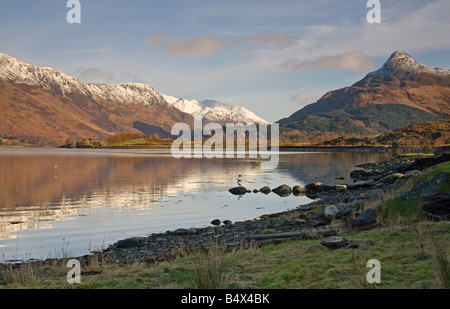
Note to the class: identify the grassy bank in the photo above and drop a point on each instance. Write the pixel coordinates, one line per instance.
(411, 256)
(413, 253)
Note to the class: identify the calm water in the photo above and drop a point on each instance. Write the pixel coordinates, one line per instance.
(60, 201)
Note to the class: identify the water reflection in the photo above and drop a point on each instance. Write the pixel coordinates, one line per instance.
(95, 197)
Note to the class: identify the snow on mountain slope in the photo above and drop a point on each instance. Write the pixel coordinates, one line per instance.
(401, 62)
(214, 111)
(19, 72)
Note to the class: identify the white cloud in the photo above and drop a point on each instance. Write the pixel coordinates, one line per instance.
(303, 98)
(197, 46)
(97, 75)
(354, 61)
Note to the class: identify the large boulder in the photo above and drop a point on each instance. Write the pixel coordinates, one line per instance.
(298, 190)
(427, 188)
(266, 190)
(376, 194)
(389, 179)
(312, 187)
(412, 173)
(334, 242)
(435, 185)
(128, 243)
(361, 184)
(238, 191)
(319, 187)
(283, 190)
(362, 174)
(341, 187)
(424, 163)
(366, 219)
(331, 211)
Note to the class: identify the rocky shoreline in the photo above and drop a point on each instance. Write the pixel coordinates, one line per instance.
(337, 209)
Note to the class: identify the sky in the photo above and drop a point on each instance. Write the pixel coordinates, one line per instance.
(272, 57)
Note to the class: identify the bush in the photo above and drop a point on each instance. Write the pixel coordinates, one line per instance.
(123, 137)
(428, 149)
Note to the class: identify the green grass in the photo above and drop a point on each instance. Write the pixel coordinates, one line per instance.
(142, 143)
(407, 255)
(433, 170)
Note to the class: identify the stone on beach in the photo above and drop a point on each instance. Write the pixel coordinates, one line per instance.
(266, 190)
(334, 242)
(283, 190)
(297, 190)
(238, 191)
(331, 211)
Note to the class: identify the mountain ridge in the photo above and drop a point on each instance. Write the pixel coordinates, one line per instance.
(419, 92)
(42, 103)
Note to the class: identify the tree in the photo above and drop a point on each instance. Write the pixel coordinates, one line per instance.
(428, 149)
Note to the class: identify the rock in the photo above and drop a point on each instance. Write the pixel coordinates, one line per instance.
(255, 191)
(227, 222)
(181, 232)
(331, 211)
(341, 187)
(424, 163)
(129, 243)
(427, 188)
(374, 194)
(362, 174)
(434, 186)
(297, 190)
(304, 207)
(312, 187)
(192, 230)
(266, 190)
(215, 222)
(318, 187)
(412, 173)
(238, 191)
(367, 217)
(334, 242)
(361, 184)
(325, 188)
(279, 222)
(391, 178)
(283, 190)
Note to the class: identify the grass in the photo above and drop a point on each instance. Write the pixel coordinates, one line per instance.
(143, 143)
(408, 259)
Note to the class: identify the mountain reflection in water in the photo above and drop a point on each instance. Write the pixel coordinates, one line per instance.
(88, 199)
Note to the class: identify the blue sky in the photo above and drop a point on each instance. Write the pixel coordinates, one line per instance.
(272, 57)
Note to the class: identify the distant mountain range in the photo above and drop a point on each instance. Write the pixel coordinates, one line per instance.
(45, 104)
(214, 111)
(402, 92)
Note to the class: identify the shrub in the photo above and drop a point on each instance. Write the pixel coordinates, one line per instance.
(428, 149)
(123, 137)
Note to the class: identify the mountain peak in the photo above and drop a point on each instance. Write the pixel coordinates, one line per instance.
(402, 64)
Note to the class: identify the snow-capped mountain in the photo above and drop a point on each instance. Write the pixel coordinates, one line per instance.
(214, 111)
(19, 72)
(402, 63)
(41, 103)
(50, 79)
(402, 92)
